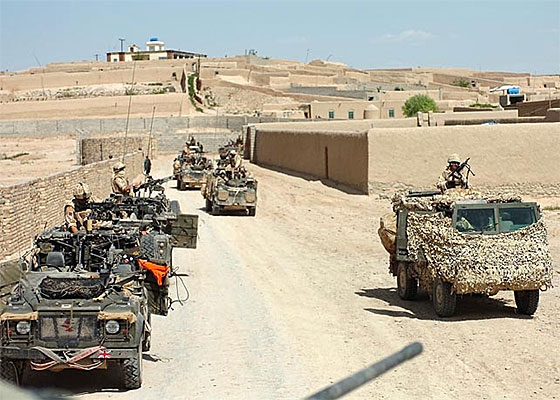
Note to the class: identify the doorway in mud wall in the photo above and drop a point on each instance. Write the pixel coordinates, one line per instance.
(326, 162)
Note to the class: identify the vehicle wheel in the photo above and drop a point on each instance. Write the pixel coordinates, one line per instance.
(175, 207)
(10, 372)
(132, 371)
(208, 207)
(252, 211)
(443, 298)
(147, 247)
(526, 301)
(147, 342)
(407, 287)
(215, 209)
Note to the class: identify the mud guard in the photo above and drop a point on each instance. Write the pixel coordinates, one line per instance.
(184, 231)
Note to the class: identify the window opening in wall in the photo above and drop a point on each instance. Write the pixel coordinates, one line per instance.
(391, 113)
(331, 114)
(350, 114)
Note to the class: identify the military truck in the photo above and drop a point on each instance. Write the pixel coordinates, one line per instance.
(85, 300)
(464, 242)
(230, 191)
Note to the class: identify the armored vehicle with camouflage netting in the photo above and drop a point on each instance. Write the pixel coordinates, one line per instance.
(84, 301)
(230, 190)
(465, 242)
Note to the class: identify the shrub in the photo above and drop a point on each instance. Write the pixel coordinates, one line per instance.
(419, 102)
(461, 82)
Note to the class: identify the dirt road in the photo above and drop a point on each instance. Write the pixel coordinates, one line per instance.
(299, 296)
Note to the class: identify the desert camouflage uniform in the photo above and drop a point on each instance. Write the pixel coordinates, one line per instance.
(450, 180)
(120, 184)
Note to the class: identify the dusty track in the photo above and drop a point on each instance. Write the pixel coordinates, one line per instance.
(298, 297)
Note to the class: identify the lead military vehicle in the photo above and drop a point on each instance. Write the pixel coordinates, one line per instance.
(464, 242)
(84, 300)
(230, 190)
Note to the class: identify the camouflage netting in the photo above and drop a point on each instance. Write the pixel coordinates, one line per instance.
(517, 260)
(71, 288)
(444, 201)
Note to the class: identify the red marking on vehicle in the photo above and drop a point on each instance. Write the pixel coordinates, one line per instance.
(104, 353)
(67, 325)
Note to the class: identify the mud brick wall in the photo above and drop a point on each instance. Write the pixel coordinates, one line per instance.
(94, 149)
(521, 157)
(341, 157)
(27, 209)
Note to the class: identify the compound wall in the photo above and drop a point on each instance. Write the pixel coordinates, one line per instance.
(338, 156)
(513, 156)
(28, 208)
(94, 149)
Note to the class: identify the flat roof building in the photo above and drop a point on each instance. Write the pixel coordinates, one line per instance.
(155, 50)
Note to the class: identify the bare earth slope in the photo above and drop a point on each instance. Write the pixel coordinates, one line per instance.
(299, 297)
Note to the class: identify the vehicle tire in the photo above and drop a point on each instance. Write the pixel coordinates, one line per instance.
(526, 301)
(208, 207)
(252, 211)
(215, 209)
(147, 342)
(443, 298)
(10, 372)
(132, 371)
(175, 207)
(407, 287)
(147, 247)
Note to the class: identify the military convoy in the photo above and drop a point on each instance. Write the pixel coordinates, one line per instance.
(191, 168)
(464, 242)
(85, 300)
(230, 191)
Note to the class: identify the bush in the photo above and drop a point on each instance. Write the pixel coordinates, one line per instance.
(192, 94)
(420, 102)
(483, 105)
(461, 82)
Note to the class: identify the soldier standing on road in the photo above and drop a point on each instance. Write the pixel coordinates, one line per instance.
(147, 166)
(450, 178)
(119, 183)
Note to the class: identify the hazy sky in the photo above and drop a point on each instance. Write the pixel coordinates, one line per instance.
(506, 35)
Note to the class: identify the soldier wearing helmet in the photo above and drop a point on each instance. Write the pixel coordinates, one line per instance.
(451, 178)
(119, 183)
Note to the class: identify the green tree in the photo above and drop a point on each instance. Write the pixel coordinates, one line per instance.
(419, 102)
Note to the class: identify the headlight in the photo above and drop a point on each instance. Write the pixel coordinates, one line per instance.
(112, 327)
(223, 195)
(250, 197)
(23, 327)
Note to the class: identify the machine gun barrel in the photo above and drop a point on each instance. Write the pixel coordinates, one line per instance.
(151, 183)
(358, 379)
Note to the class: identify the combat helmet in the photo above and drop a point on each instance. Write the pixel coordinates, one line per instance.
(81, 191)
(118, 167)
(454, 158)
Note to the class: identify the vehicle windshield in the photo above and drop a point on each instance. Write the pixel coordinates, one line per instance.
(512, 219)
(476, 220)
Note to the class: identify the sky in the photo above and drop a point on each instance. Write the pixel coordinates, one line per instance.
(501, 35)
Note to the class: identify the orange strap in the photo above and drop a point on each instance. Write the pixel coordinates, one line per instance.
(159, 271)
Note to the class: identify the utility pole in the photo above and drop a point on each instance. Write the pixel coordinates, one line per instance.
(122, 42)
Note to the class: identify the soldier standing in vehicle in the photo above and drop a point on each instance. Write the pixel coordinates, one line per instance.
(69, 218)
(451, 178)
(119, 183)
